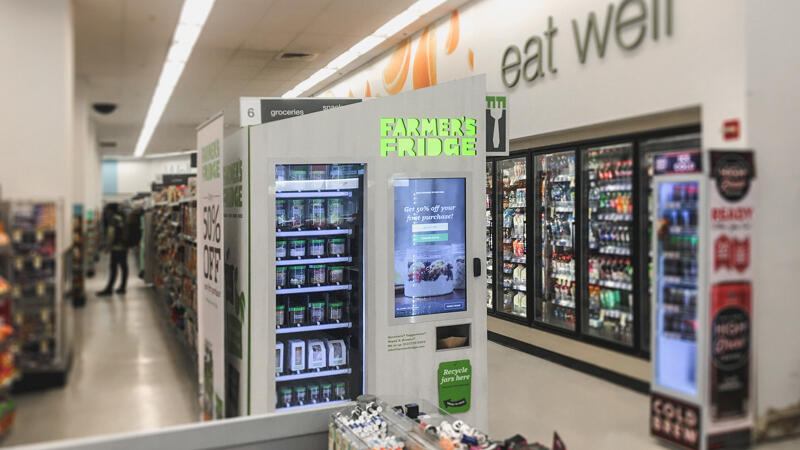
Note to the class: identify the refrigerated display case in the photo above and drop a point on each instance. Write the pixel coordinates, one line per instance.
(607, 300)
(512, 208)
(555, 239)
(676, 155)
(319, 283)
(676, 273)
(490, 236)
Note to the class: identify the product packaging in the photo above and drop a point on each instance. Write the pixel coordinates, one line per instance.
(297, 276)
(335, 310)
(317, 247)
(340, 390)
(281, 218)
(285, 396)
(316, 354)
(280, 315)
(316, 310)
(336, 274)
(297, 248)
(326, 391)
(297, 355)
(313, 393)
(317, 273)
(280, 249)
(297, 209)
(316, 213)
(297, 312)
(280, 277)
(300, 395)
(337, 353)
(279, 358)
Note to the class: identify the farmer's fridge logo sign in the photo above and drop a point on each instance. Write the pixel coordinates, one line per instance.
(428, 136)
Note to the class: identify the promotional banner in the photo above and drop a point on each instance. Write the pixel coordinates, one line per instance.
(257, 110)
(732, 212)
(429, 246)
(210, 275)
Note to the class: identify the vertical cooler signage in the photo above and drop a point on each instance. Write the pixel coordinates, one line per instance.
(210, 280)
(429, 246)
(731, 206)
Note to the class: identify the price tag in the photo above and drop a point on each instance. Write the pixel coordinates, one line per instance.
(37, 262)
(40, 288)
(17, 235)
(39, 235)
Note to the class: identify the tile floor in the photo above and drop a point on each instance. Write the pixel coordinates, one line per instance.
(129, 374)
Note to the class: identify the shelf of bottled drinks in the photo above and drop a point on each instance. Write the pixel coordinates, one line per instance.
(568, 237)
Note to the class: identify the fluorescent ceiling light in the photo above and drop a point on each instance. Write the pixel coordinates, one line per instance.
(194, 14)
(387, 30)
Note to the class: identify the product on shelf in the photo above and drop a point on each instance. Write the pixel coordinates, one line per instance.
(512, 207)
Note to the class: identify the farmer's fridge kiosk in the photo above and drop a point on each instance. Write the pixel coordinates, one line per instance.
(702, 394)
(366, 253)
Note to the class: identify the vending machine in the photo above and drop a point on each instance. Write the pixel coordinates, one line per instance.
(363, 268)
(702, 391)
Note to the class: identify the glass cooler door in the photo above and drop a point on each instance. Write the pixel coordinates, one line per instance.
(319, 313)
(676, 283)
(555, 239)
(490, 236)
(512, 209)
(608, 297)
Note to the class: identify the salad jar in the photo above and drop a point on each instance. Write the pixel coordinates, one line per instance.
(430, 270)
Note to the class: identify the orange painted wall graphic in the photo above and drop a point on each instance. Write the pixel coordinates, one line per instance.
(396, 72)
(367, 91)
(471, 57)
(425, 60)
(452, 35)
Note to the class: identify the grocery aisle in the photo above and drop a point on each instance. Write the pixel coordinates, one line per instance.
(128, 373)
(534, 397)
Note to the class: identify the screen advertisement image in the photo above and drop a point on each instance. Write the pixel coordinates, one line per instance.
(429, 246)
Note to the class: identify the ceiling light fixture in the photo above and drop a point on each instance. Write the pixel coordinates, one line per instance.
(194, 14)
(387, 30)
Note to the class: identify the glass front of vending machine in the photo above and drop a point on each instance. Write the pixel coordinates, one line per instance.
(319, 231)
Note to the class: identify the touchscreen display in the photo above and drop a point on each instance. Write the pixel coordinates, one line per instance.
(429, 246)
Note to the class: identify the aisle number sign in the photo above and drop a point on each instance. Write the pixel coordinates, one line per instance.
(211, 279)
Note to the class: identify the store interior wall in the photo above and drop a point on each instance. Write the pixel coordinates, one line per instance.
(773, 107)
(36, 88)
(87, 184)
(136, 175)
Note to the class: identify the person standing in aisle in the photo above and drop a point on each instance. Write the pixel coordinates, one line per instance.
(115, 240)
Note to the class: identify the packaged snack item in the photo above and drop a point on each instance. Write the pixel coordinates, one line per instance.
(280, 249)
(335, 311)
(318, 172)
(280, 172)
(285, 396)
(279, 358)
(316, 354)
(336, 246)
(316, 212)
(316, 311)
(280, 315)
(280, 276)
(313, 393)
(316, 247)
(297, 313)
(297, 248)
(335, 212)
(336, 274)
(297, 275)
(337, 353)
(300, 395)
(297, 213)
(317, 273)
(298, 172)
(281, 218)
(297, 355)
(340, 390)
(326, 391)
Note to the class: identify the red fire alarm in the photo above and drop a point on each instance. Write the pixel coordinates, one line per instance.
(730, 129)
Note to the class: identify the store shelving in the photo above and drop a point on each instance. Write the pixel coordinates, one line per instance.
(307, 375)
(319, 327)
